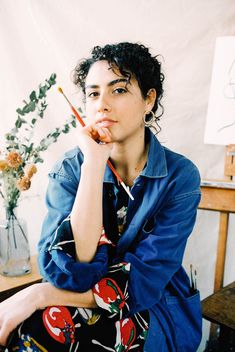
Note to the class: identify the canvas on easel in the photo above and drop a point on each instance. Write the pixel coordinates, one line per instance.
(220, 120)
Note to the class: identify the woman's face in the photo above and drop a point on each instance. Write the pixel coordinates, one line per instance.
(114, 102)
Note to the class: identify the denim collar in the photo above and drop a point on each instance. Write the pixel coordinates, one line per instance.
(156, 165)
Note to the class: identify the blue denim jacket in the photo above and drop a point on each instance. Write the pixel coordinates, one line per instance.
(159, 221)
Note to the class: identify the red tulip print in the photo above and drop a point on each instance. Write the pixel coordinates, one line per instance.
(59, 324)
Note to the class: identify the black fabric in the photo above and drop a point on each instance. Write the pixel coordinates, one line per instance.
(95, 330)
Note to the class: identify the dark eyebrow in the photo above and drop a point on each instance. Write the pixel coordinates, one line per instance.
(112, 83)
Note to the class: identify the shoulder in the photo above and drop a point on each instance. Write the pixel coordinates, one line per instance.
(182, 172)
(68, 165)
(177, 162)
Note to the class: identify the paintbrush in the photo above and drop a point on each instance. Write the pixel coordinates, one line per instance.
(195, 279)
(108, 162)
(191, 275)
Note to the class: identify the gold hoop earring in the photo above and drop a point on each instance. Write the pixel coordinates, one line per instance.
(149, 118)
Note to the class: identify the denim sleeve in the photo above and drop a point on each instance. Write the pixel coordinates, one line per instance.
(57, 265)
(60, 196)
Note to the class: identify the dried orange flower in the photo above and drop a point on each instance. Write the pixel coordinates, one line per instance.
(30, 170)
(23, 183)
(3, 165)
(14, 159)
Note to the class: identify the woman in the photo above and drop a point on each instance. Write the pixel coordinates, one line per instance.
(118, 260)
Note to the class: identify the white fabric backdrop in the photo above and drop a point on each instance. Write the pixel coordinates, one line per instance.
(38, 37)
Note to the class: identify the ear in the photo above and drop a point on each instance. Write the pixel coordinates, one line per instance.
(150, 99)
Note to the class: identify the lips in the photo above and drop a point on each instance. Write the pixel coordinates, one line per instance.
(105, 122)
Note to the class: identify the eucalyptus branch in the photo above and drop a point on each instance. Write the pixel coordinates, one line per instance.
(37, 105)
(18, 159)
(53, 136)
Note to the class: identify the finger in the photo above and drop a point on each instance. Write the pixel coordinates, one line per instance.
(91, 131)
(4, 333)
(104, 135)
(97, 133)
(107, 134)
(100, 135)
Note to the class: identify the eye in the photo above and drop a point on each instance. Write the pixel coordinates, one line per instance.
(120, 90)
(92, 94)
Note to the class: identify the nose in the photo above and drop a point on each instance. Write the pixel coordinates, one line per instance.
(103, 104)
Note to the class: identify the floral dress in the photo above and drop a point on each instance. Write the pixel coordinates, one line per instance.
(107, 328)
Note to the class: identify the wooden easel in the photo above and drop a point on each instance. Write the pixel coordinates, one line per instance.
(219, 196)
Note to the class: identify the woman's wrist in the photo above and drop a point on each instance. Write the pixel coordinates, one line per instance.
(49, 295)
(45, 293)
(97, 167)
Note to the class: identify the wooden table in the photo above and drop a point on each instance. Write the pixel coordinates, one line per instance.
(11, 285)
(219, 308)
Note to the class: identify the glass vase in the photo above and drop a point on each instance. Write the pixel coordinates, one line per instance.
(14, 246)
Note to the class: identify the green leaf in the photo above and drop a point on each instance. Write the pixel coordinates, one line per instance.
(33, 121)
(38, 160)
(28, 149)
(19, 122)
(29, 107)
(43, 106)
(33, 96)
(48, 84)
(42, 92)
(51, 82)
(66, 129)
(55, 134)
(32, 106)
(53, 78)
(73, 123)
(8, 136)
(20, 112)
(26, 109)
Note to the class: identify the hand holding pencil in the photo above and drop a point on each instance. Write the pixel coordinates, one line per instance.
(96, 144)
(108, 162)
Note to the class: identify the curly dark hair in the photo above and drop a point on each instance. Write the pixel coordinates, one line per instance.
(131, 59)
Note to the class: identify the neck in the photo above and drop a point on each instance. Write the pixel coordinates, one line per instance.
(129, 158)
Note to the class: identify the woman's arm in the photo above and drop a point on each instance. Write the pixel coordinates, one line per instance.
(86, 215)
(49, 295)
(19, 307)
